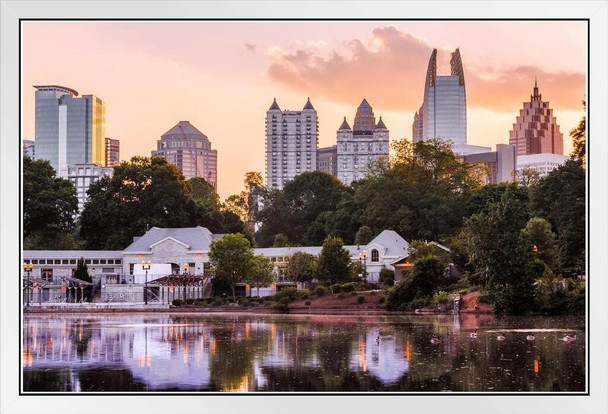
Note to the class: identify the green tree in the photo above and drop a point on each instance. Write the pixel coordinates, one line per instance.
(334, 261)
(387, 277)
(501, 250)
(82, 272)
(579, 136)
(49, 205)
(418, 283)
(281, 240)
(294, 210)
(538, 232)
(232, 257)
(424, 193)
(261, 272)
(364, 235)
(143, 193)
(301, 267)
(560, 198)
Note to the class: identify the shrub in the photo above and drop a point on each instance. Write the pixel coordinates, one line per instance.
(281, 306)
(360, 299)
(381, 299)
(177, 302)
(366, 286)
(441, 297)
(244, 302)
(290, 293)
(320, 291)
(337, 288)
(419, 303)
(349, 287)
(304, 294)
(340, 296)
(307, 303)
(189, 301)
(200, 302)
(387, 277)
(218, 302)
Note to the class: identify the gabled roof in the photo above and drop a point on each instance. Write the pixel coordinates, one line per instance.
(183, 127)
(380, 124)
(394, 244)
(308, 105)
(198, 238)
(274, 105)
(344, 125)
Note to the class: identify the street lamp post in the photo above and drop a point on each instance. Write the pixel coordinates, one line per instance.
(184, 281)
(28, 269)
(364, 253)
(146, 266)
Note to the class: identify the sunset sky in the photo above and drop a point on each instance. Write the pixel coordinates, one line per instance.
(223, 76)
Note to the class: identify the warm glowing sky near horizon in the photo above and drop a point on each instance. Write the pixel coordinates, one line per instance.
(222, 76)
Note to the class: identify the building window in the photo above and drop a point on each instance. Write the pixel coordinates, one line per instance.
(107, 270)
(46, 274)
(375, 255)
(131, 265)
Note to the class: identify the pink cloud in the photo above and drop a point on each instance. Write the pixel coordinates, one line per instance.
(390, 69)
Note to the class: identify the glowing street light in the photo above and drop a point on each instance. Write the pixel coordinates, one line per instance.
(146, 266)
(27, 267)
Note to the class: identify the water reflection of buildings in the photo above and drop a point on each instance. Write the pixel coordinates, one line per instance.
(385, 358)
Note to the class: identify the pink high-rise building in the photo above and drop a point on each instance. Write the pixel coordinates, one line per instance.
(535, 130)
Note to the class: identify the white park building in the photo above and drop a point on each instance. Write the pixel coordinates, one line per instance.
(175, 254)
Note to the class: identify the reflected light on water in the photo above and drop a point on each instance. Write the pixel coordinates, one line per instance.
(294, 353)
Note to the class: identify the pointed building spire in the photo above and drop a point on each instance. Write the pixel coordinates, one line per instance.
(380, 124)
(536, 96)
(344, 126)
(309, 105)
(274, 105)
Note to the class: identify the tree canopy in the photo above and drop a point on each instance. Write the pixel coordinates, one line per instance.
(49, 207)
(147, 192)
(232, 257)
(334, 262)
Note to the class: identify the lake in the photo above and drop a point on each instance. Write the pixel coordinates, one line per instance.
(300, 353)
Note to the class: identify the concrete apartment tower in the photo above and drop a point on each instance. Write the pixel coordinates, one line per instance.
(292, 139)
(535, 130)
(69, 130)
(364, 143)
(112, 152)
(190, 150)
(443, 113)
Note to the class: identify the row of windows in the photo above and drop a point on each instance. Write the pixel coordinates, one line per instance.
(73, 261)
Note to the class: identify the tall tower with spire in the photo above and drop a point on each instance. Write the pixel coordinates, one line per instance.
(292, 138)
(535, 130)
(443, 113)
(366, 142)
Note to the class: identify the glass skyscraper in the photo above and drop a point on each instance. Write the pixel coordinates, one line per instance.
(443, 113)
(69, 130)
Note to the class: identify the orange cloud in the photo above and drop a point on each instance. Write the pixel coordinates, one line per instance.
(390, 69)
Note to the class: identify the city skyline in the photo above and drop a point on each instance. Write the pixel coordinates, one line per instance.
(224, 85)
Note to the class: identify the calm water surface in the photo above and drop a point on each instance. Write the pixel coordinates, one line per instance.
(228, 352)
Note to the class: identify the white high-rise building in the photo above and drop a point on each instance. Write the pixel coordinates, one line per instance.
(82, 176)
(366, 142)
(292, 138)
(443, 113)
(541, 163)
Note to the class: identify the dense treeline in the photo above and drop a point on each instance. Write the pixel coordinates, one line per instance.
(512, 240)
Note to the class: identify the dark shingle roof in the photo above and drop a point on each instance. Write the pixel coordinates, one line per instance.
(344, 125)
(308, 105)
(274, 105)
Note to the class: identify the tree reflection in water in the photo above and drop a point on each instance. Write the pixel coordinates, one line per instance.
(299, 353)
